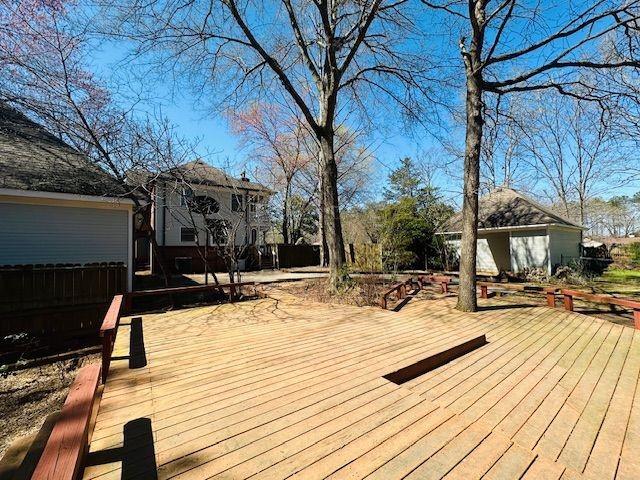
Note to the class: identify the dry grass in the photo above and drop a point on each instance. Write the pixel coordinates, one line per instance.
(360, 292)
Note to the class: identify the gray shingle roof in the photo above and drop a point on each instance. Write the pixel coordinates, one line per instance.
(31, 158)
(505, 207)
(198, 172)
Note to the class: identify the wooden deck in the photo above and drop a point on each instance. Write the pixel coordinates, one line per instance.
(276, 388)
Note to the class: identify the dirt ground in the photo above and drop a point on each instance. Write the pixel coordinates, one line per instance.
(28, 396)
(361, 292)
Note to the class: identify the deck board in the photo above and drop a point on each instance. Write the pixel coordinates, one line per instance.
(277, 387)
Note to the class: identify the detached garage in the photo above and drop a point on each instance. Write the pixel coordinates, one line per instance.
(66, 232)
(515, 234)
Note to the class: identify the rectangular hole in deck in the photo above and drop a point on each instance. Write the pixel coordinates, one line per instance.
(434, 361)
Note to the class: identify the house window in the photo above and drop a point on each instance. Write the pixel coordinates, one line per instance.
(187, 234)
(236, 203)
(254, 236)
(186, 196)
(206, 205)
(254, 201)
(218, 231)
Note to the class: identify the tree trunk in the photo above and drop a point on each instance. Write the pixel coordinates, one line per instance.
(468, 247)
(324, 250)
(285, 216)
(333, 226)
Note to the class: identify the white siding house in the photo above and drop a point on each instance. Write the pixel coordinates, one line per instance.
(56, 207)
(235, 215)
(516, 234)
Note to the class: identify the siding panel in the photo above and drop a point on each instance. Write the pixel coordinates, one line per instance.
(31, 234)
(529, 249)
(564, 245)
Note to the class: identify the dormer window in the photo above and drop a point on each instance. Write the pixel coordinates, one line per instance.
(236, 203)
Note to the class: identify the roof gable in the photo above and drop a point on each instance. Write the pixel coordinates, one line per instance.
(198, 172)
(31, 158)
(504, 207)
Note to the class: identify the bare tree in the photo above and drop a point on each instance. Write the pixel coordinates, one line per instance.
(215, 222)
(616, 217)
(327, 58)
(503, 162)
(570, 145)
(45, 73)
(278, 143)
(512, 46)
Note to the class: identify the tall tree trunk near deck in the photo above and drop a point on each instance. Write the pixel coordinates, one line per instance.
(333, 226)
(324, 250)
(285, 215)
(468, 248)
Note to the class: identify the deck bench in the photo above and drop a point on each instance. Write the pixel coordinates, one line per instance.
(628, 303)
(191, 289)
(399, 289)
(64, 452)
(519, 287)
(441, 280)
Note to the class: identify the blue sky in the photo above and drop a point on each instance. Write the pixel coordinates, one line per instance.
(215, 141)
(195, 120)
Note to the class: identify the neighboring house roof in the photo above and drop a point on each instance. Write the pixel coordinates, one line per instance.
(31, 158)
(504, 207)
(198, 172)
(619, 240)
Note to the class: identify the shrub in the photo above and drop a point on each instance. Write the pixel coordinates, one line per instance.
(634, 252)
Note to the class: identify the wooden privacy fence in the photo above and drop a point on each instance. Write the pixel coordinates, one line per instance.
(55, 298)
(35, 286)
(291, 256)
(365, 257)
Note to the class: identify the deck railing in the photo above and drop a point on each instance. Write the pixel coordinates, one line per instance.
(66, 447)
(399, 290)
(628, 303)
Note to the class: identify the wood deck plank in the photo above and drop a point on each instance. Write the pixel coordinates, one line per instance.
(273, 389)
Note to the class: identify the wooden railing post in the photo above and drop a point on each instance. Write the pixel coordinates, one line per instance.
(636, 318)
(128, 303)
(107, 345)
(108, 332)
(568, 301)
(484, 291)
(551, 298)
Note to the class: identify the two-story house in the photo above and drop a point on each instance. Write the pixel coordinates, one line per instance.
(198, 209)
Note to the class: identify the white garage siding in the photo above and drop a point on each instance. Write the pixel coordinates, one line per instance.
(564, 245)
(493, 252)
(529, 249)
(485, 261)
(32, 234)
